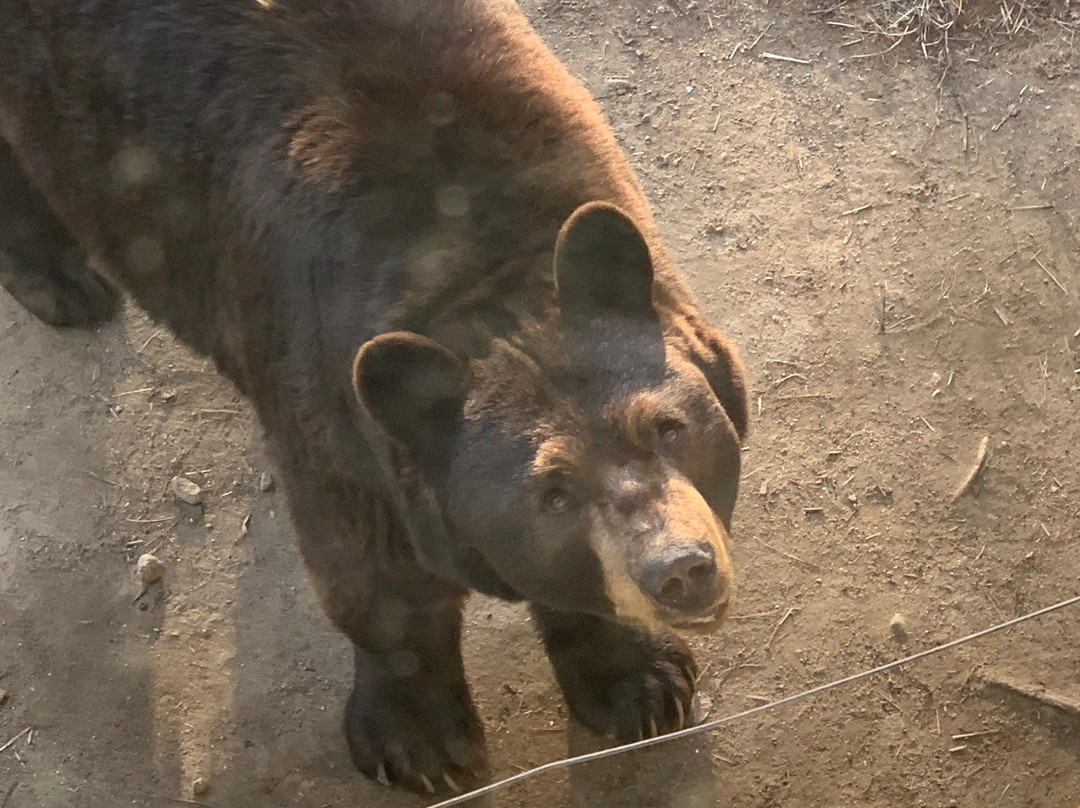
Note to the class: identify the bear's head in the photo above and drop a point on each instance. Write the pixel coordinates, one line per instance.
(588, 467)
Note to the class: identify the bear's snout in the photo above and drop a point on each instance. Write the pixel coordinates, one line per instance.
(670, 552)
(683, 577)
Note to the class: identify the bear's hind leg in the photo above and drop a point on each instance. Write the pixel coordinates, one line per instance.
(619, 679)
(41, 266)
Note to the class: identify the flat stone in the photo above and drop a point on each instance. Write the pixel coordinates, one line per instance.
(186, 491)
(149, 569)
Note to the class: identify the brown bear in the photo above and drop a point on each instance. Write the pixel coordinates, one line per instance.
(407, 235)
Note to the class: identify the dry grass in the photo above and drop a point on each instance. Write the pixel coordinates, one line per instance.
(933, 23)
(930, 21)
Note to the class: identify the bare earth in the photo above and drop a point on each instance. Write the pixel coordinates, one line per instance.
(895, 252)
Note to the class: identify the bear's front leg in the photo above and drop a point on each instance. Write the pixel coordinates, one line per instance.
(619, 679)
(410, 718)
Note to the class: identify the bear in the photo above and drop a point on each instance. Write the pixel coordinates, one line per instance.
(408, 236)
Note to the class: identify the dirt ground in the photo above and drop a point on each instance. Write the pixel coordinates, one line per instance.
(893, 246)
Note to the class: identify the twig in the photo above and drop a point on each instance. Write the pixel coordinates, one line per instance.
(778, 58)
(753, 44)
(133, 392)
(792, 556)
(880, 53)
(99, 477)
(148, 341)
(787, 378)
(1034, 207)
(26, 731)
(1049, 274)
(859, 209)
(976, 470)
(783, 620)
(800, 396)
(967, 126)
(1035, 693)
(755, 615)
(1014, 110)
(965, 735)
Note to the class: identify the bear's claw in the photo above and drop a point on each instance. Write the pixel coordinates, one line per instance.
(417, 738)
(619, 679)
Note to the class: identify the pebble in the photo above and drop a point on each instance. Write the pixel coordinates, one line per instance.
(200, 787)
(898, 627)
(266, 482)
(186, 491)
(149, 569)
(3, 697)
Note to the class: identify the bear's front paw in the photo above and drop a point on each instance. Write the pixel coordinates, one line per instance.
(619, 679)
(422, 738)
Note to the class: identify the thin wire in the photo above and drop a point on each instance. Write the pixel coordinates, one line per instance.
(700, 728)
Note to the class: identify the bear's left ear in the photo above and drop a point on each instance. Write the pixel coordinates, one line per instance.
(602, 264)
(415, 389)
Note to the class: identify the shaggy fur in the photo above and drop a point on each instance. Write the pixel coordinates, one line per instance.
(408, 236)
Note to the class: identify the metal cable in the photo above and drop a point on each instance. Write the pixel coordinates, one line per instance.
(700, 728)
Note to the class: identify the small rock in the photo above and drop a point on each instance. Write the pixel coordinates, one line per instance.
(200, 787)
(266, 482)
(186, 491)
(898, 627)
(149, 569)
(3, 697)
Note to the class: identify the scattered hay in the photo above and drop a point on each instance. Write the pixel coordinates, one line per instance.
(933, 23)
(930, 21)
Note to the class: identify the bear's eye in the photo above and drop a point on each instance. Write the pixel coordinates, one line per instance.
(557, 499)
(669, 431)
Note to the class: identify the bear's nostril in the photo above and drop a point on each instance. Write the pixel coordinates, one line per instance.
(672, 590)
(701, 574)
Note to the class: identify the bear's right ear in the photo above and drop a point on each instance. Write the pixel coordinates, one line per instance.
(414, 388)
(602, 264)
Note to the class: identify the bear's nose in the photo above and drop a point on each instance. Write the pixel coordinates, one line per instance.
(682, 577)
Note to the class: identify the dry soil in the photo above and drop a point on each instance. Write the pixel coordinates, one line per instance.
(891, 238)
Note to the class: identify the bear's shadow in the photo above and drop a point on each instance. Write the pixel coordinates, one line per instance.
(675, 774)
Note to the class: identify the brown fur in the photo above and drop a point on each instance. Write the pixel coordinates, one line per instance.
(286, 182)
